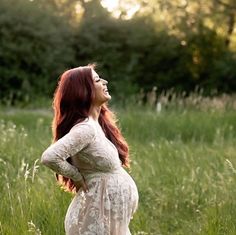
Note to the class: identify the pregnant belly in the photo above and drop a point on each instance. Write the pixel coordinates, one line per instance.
(109, 205)
(115, 192)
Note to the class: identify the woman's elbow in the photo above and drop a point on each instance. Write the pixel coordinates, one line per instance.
(46, 159)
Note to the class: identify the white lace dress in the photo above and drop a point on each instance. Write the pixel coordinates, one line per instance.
(112, 198)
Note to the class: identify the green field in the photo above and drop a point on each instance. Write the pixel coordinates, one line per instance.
(183, 161)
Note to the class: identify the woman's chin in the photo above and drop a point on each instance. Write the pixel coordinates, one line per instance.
(107, 97)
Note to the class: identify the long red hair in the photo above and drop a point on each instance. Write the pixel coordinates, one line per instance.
(72, 101)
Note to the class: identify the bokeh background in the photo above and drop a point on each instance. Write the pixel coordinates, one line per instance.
(171, 67)
(184, 45)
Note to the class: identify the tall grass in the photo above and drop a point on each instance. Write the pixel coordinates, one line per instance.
(183, 161)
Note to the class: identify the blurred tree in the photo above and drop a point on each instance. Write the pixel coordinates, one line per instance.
(35, 48)
(69, 9)
(227, 8)
(206, 31)
(157, 43)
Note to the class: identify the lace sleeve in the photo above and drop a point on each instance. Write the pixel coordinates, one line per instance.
(69, 145)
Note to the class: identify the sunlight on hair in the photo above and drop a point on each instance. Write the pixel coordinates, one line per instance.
(121, 9)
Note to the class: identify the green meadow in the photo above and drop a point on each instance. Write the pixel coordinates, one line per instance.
(183, 161)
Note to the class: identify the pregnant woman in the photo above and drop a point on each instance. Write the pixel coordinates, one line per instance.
(88, 155)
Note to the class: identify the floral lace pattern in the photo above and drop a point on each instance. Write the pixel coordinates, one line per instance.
(112, 198)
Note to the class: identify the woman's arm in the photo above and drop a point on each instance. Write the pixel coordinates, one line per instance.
(69, 145)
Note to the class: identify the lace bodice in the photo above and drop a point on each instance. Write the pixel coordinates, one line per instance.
(90, 151)
(112, 198)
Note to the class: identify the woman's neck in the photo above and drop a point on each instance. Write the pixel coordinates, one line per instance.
(94, 112)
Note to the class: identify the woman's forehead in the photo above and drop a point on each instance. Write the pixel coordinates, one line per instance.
(94, 74)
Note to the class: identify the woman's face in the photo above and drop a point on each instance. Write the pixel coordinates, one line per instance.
(101, 91)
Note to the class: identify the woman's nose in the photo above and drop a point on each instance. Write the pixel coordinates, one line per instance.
(105, 82)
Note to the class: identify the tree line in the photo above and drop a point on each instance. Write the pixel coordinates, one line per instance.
(164, 45)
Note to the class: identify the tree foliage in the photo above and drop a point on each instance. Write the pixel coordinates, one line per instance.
(167, 44)
(35, 48)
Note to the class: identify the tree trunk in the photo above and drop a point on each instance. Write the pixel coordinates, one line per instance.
(231, 23)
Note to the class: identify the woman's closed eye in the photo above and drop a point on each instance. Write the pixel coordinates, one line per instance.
(97, 79)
